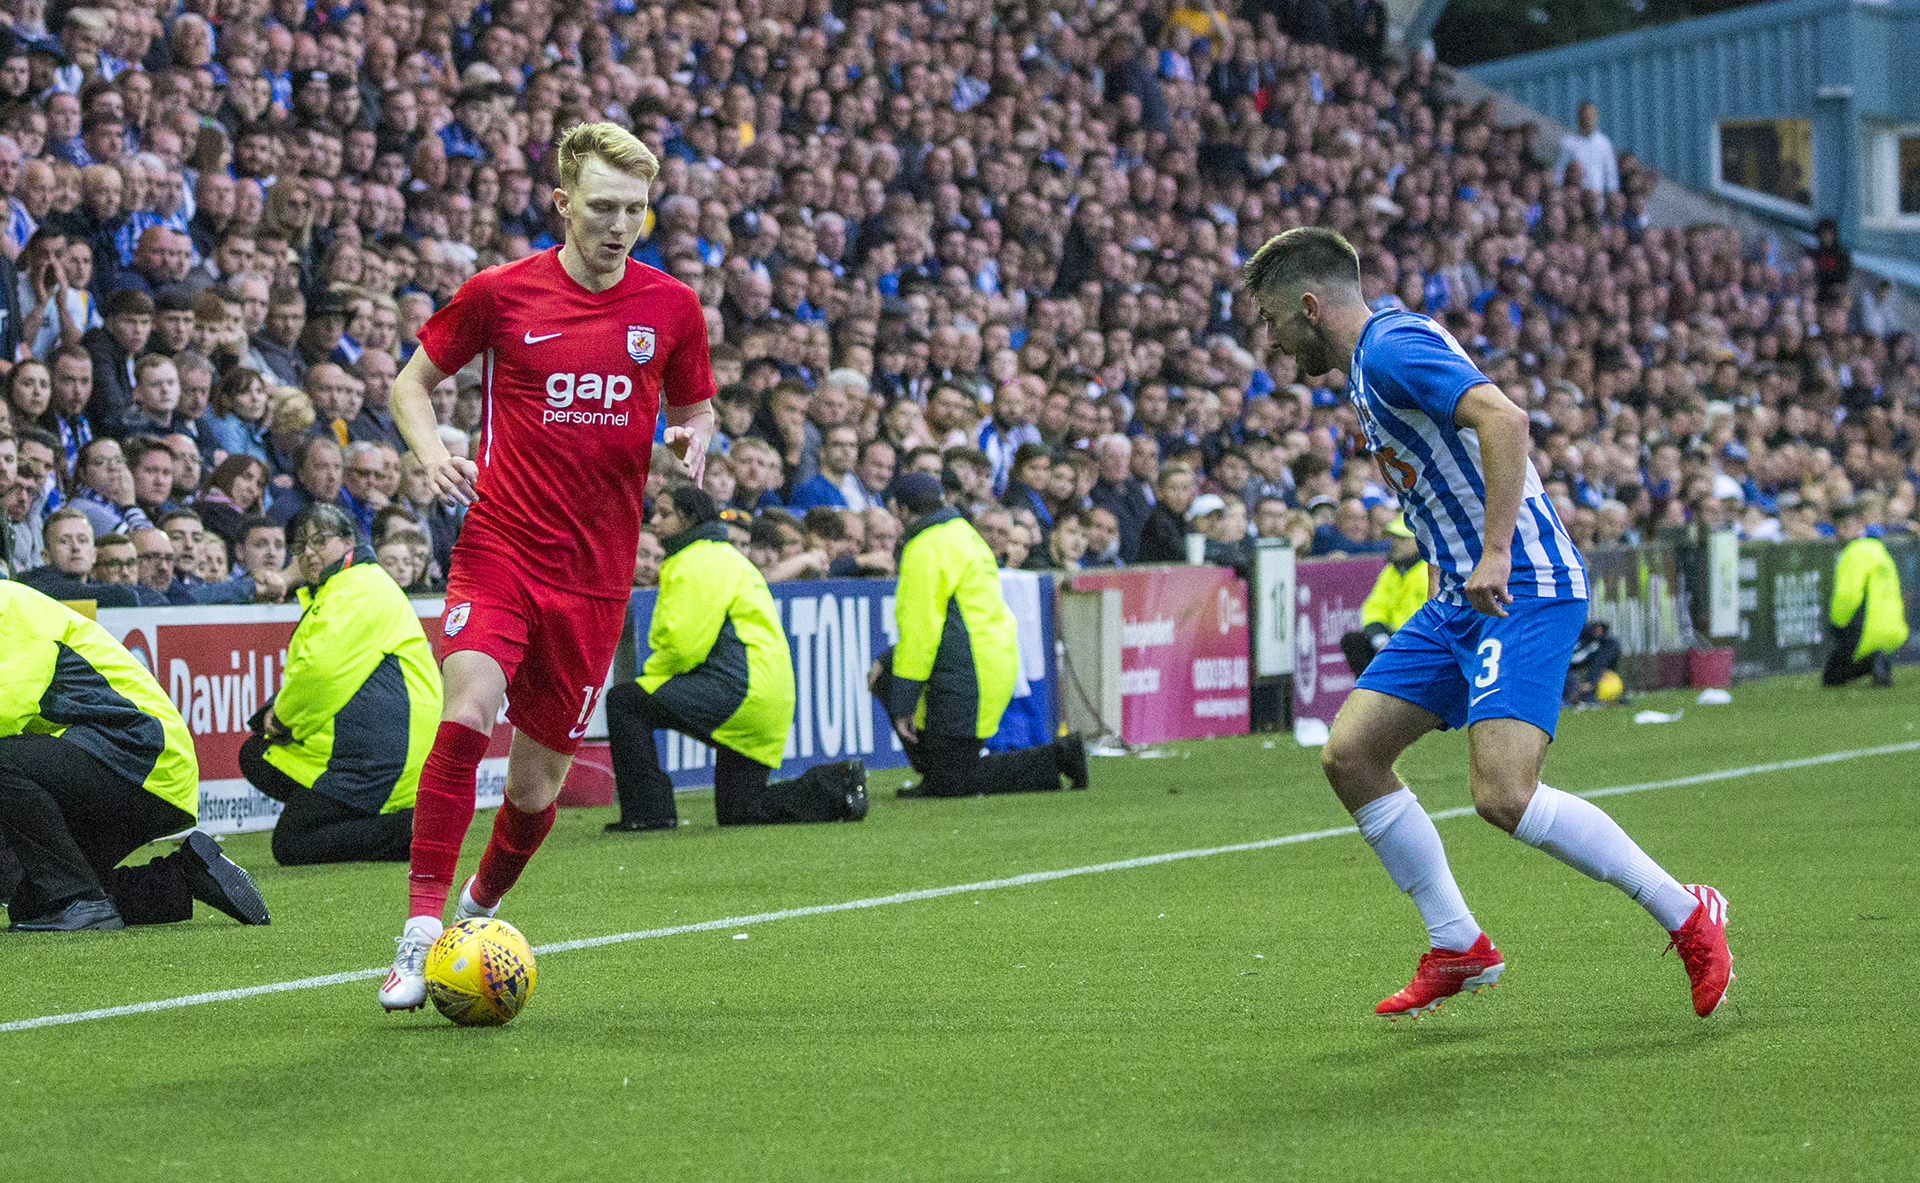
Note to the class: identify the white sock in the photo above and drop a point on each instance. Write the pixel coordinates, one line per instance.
(1581, 835)
(1402, 834)
(429, 926)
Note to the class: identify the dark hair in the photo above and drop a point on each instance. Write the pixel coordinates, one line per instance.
(1030, 451)
(139, 447)
(127, 302)
(322, 516)
(229, 470)
(694, 504)
(824, 522)
(256, 521)
(1305, 254)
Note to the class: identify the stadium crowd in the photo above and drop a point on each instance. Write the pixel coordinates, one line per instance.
(997, 243)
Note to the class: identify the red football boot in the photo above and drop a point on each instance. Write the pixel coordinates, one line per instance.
(1442, 974)
(1702, 942)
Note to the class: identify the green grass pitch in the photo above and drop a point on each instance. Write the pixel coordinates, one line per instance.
(1207, 1018)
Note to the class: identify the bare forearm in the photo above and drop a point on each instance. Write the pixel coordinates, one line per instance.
(1503, 457)
(412, 408)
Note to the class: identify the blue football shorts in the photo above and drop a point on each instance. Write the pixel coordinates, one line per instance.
(1465, 667)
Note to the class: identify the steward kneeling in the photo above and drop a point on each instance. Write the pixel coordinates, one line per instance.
(721, 672)
(948, 681)
(342, 743)
(95, 762)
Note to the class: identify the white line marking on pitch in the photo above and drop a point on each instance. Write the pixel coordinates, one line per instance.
(929, 893)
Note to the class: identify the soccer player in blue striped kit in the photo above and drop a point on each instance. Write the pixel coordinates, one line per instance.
(1488, 651)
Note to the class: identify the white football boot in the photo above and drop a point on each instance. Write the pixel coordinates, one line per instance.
(406, 985)
(467, 908)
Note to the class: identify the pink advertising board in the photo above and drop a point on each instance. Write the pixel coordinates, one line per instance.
(1183, 651)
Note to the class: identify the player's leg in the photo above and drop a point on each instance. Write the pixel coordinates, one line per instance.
(1368, 735)
(535, 774)
(475, 686)
(550, 701)
(1507, 744)
(1505, 757)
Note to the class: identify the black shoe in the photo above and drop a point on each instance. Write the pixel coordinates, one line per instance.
(1883, 669)
(916, 789)
(1071, 752)
(79, 916)
(626, 827)
(217, 880)
(853, 775)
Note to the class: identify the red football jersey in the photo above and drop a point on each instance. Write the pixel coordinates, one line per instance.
(572, 388)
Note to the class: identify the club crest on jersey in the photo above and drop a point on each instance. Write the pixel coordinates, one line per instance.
(457, 619)
(640, 344)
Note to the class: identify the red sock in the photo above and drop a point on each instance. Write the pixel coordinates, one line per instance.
(442, 811)
(516, 835)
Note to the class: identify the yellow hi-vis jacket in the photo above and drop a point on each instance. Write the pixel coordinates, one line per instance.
(361, 692)
(720, 661)
(1865, 574)
(957, 658)
(1395, 597)
(62, 674)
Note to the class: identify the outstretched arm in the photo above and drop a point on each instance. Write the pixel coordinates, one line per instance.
(1502, 428)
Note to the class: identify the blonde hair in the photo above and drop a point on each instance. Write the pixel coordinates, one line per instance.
(617, 147)
(292, 410)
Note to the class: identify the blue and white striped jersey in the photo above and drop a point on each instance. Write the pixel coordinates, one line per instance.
(1408, 374)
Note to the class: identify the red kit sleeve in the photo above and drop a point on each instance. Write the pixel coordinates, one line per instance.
(459, 332)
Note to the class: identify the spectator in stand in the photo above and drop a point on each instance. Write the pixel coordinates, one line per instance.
(104, 489)
(277, 341)
(646, 561)
(234, 492)
(1103, 539)
(68, 573)
(1163, 539)
(156, 399)
(1349, 534)
(1832, 264)
(836, 485)
(320, 471)
(116, 562)
(112, 347)
(238, 409)
(1121, 494)
(151, 464)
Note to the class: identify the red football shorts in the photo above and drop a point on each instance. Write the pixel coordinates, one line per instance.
(554, 645)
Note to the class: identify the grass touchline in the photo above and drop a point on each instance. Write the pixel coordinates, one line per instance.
(911, 896)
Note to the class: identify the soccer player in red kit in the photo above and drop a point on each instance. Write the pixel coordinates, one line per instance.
(579, 343)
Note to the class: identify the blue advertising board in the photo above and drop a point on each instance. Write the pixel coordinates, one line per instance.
(835, 628)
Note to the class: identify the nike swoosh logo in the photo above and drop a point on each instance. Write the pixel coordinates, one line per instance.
(533, 340)
(1474, 701)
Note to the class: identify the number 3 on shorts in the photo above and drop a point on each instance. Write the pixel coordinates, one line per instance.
(1489, 655)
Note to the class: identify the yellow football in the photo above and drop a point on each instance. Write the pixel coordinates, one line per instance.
(1608, 688)
(480, 972)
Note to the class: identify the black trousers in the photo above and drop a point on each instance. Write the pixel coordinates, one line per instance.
(70, 819)
(315, 828)
(953, 766)
(742, 794)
